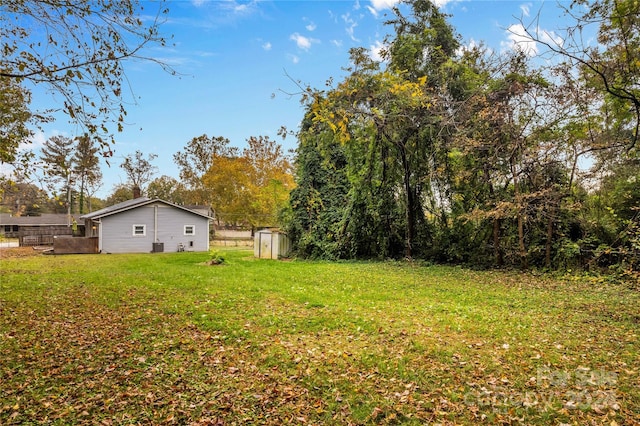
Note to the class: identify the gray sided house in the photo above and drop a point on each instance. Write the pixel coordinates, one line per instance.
(144, 225)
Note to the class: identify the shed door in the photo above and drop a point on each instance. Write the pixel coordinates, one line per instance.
(265, 246)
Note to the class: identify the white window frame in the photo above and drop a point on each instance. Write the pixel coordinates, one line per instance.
(193, 230)
(144, 230)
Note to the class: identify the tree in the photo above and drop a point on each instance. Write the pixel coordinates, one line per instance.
(86, 167)
(396, 115)
(228, 184)
(93, 185)
(119, 193)
(470, 158)
(15, 118)
(23, 199)
(270, 180)
(77, 50)
(519, 119)
(613, 63)
(422, 43)
(196, 160)
(139, 170)
(316, 213)
(168, 189)
(57, 156)
(250, 189)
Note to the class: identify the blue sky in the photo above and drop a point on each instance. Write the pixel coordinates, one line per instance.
(233, 58)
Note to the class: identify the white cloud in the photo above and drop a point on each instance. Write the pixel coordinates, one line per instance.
(442, 3)
(337, 43)
(303, 42)
(311, 26)
(351, 26)
(379, 5)
(517, 39)
(551, 38)
(266, 46)
(197, 3)
(293, 58)
(375, 51)
(240, 8)
(383, 4)
(467, 47)
(38, 139)
(237, 8)
(525, 8)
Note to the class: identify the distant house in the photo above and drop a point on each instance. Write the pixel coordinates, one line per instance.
(144, 225)
(35, 230)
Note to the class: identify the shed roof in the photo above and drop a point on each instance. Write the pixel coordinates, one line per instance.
(135, 203)
(45, 219)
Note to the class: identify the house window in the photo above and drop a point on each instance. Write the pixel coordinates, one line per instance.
(189, 230)
(139, 230)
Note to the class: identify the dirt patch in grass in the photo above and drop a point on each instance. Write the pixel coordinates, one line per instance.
(17, 252)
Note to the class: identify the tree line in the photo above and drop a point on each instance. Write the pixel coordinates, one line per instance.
(441, 152)
(464, 155)
(247, 187)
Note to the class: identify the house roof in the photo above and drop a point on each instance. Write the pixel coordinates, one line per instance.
(45, 219)
(135, 203)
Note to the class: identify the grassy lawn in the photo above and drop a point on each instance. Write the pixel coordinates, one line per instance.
(165, 339)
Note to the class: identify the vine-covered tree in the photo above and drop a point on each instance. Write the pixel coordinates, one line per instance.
(316, 214)
(471, 156)
(396, 116)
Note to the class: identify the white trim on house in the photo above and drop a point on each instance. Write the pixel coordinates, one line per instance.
(190, 230)
(136, 227)
(99, 225)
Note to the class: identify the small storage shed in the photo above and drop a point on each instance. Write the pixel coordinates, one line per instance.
(271, 244)
(144, 225)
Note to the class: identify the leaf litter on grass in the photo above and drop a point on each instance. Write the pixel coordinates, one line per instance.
(299, 354)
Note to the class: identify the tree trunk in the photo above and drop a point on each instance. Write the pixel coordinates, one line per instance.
(522, 249)
(82, 190)
(410, 199)
(547, 248)
(497, 251)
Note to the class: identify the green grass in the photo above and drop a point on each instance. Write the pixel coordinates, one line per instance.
(164, 338)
